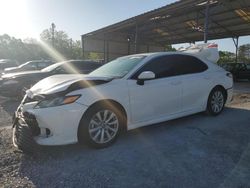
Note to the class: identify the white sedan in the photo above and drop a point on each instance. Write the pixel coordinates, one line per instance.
(126, 93)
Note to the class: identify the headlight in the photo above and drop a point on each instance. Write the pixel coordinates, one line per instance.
(58, 101)
(9, 82)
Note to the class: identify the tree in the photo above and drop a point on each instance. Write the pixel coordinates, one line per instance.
(226, 57)
(244, 53)
(169, 48)
(62, 43)
(12, 48)
(30, 49)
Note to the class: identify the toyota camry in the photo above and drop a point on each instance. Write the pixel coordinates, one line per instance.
(126, 93)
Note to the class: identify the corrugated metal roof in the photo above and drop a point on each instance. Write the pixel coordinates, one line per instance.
(183, 21)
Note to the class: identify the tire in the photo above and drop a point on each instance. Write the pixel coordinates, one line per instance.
(100, 126)
(216, 101)
(23, 139)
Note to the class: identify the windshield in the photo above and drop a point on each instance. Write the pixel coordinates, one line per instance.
(51, 67)
(118, 68)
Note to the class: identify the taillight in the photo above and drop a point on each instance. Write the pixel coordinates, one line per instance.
(229, 75)
(213, 45)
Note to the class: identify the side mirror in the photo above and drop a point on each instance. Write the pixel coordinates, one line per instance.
(146, 75)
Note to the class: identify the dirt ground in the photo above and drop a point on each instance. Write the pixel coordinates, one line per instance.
(194, 151)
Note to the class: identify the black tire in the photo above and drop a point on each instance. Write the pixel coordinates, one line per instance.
(210, 103)
(84, 135)
(23, 139)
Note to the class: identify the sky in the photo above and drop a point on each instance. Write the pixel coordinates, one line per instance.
(28, 18)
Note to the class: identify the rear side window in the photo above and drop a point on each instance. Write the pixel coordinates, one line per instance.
(173, 65)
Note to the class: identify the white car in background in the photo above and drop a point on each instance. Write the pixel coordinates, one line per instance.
(127, 93)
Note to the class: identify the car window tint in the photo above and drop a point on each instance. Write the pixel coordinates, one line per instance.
(31, 65)
(173, 65)
(85, 67)
(61, 70)
(42, 64)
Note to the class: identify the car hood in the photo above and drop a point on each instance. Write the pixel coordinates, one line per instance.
(64, 83)
(20, 74)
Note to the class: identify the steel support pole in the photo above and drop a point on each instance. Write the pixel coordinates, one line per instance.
(236, 43)
(53, 26)
(136, 37)
(206, 24)
(128, 39)
(107, 50)
(83, 53)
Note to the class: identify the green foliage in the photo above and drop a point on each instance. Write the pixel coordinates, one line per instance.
(30, 49)
(62, 43)
(244, 53)
(12, 48)
(226, 57)
(169, 48)
(93, 56)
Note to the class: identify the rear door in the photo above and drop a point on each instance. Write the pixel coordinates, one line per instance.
(197, 82)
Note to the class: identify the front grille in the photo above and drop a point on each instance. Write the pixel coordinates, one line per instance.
(31, 121)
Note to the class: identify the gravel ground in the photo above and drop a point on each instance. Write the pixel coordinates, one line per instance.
(195, 151)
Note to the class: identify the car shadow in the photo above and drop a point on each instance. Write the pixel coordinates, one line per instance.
(172, 153)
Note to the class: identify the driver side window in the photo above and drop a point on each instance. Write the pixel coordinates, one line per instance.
(161, 66)
(173, 65)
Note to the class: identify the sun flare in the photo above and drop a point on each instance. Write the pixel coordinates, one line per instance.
(14, 18)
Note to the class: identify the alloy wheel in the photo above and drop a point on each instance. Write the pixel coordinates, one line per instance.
(217, 101)
(103, 126)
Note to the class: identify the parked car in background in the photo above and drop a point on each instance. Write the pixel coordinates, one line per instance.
(6, 63)
(15, 84)
(126, 93)
(239, 70)
(30, 65)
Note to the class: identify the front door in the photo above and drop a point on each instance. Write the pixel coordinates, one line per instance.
(158, 97)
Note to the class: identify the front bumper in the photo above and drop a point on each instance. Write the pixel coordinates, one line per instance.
(51, 126)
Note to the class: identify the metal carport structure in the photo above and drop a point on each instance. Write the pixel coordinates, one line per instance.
(185, 21)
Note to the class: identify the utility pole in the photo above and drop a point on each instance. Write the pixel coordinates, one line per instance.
(71, 47)
(206, 24)
(53, 26)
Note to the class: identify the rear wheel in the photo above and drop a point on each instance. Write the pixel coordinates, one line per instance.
(100, 126)
(216, 101)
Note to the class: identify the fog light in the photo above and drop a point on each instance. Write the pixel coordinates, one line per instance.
(45, 132)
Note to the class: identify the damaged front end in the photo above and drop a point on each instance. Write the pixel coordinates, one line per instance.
(51, 116)
(25, 127)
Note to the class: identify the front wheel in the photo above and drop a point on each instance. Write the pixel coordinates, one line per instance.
(216, 101)
(100, 126)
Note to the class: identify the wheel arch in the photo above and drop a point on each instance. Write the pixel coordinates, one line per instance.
(106, 102)
(222, 88)
(215, 87)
